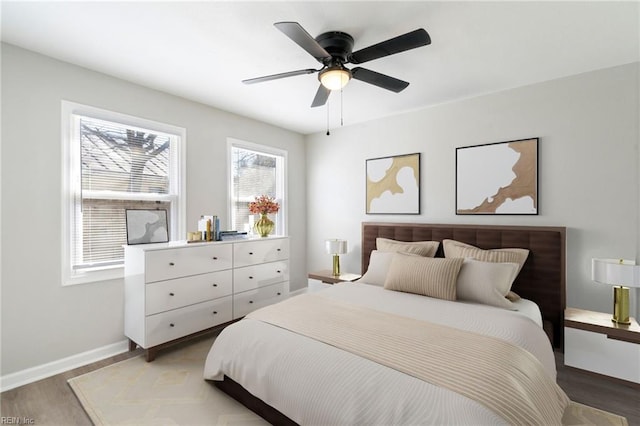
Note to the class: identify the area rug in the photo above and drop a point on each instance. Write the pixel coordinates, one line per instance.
(579, 414)
(171, 391)
(168, 391)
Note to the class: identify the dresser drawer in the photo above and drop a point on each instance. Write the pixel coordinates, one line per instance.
(256, 276)
(260, 251)
(249, 301)
(166, 295)
(172, 263)
(177, 323)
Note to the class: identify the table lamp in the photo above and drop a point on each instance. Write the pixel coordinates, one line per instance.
(622, 274)
(336, 248)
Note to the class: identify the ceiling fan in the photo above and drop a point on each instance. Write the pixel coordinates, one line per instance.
(333, 50)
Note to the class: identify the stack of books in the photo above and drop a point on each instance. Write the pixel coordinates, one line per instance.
(232, 235)
(209, 225)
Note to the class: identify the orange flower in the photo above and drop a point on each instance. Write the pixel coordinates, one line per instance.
(263, 205)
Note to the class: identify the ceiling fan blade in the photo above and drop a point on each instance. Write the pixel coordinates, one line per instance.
(321, 97)
(378, 79)
(302, 38)
(277, 76)
(392, 46)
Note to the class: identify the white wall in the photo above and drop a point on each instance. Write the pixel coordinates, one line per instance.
(588, 175)
(41, 320)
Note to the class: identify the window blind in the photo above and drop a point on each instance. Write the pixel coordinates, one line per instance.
(254, 173)
(122, 167)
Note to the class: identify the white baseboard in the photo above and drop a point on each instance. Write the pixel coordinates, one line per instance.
(297, 292)
(43, 371)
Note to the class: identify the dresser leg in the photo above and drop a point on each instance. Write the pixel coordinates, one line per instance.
(150, 354)
(132, 345)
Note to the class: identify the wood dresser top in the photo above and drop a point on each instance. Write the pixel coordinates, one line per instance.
(600, 322)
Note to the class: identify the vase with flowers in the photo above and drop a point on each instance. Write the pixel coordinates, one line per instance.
(263, 205)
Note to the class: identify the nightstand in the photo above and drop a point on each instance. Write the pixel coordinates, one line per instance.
(326, 276)
(594, 343)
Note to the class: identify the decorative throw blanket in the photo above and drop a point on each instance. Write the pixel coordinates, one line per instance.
(503, 377)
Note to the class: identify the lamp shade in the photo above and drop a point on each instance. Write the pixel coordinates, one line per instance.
(335, 78)
(336, 246)
(620, 272)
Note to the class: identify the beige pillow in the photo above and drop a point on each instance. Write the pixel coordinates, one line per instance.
(454, 248)
(423, 248)
(433, 277)
(486, 282)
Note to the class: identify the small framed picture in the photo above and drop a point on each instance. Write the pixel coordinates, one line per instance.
(146, 226)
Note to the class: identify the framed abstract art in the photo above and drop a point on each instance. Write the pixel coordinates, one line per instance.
(393, 184)
(498, 178)
(146, 226)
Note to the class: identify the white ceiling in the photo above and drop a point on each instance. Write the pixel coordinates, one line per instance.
(202, 50)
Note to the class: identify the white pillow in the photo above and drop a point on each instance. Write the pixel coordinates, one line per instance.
(379, 262)
(486, 282)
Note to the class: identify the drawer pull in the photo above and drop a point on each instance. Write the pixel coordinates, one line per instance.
(251, 253)
(278, 250)
(278, 293)
(250, 301)
(278, 271)
(171, 264)
(172, 325)
(215, 312)
(250, 277)
(215, 285)
(171, 294)
(215, 258)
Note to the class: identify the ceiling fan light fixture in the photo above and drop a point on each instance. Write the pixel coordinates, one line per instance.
(335, 78)
(333, 49)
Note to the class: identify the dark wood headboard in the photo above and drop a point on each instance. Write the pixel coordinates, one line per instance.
(542, 278)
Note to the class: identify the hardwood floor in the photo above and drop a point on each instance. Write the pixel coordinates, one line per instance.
(52, 402)
(599, 392)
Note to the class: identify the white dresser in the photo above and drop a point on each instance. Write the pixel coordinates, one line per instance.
(177, 289)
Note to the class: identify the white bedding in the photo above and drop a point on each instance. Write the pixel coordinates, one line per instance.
(523, 307)
(313, 383)
(529, 309)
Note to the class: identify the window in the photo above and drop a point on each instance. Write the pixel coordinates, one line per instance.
(255, 170)
(113, 162)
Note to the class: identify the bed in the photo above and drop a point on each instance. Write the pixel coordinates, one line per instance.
(297, 362)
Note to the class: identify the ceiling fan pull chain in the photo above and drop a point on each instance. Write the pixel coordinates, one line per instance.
(328, 132)
(341, 110)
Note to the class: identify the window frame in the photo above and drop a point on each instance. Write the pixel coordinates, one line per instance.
(281, 180)
(71, 170)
